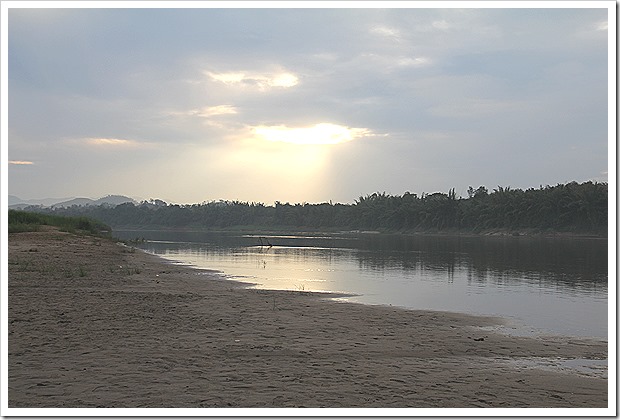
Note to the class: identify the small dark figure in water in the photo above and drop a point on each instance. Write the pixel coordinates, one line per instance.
(266, 240)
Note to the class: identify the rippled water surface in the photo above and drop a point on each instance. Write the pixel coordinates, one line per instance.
(545, 285)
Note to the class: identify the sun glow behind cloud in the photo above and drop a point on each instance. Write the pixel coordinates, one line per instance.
(323, 133)
(283, 161)
(275, 169)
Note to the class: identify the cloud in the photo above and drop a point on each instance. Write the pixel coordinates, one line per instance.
(260, 81)
(21, 162)
(413, 61)
(229, 85)
(602, 26)
(474, 108)
(205, 112)
(386, 31)
(111, 142)
(212, 111)
(441, 24)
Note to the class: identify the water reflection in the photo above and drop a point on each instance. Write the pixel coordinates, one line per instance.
(574, 262)
(557, 284)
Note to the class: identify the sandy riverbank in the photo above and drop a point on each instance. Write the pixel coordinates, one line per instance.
(95, 324)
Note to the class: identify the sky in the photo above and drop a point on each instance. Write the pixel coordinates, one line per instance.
(303, 104)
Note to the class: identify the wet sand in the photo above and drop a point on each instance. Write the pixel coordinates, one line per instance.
(96, 324)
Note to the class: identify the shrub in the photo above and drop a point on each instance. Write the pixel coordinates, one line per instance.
(23, 221)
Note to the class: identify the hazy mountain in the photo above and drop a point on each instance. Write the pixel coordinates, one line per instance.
(114, 200)
(80, 201)
(15, 202)
(13, 199)
(111, 200)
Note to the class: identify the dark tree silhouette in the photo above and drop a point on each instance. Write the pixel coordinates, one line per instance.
(572, 207)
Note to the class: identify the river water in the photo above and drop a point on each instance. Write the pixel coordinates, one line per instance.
(539, 285)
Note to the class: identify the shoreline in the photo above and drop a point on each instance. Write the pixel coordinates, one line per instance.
(523, 233)
(95, 324)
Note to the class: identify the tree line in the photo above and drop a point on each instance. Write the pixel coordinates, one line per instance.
(572, 207)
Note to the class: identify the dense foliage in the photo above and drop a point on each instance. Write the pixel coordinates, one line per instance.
(569, 207)
(22, 221)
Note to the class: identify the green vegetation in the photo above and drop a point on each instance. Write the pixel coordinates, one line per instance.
(571, 208)
(24, 221)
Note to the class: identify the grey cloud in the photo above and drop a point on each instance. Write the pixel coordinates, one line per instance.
(472, 95)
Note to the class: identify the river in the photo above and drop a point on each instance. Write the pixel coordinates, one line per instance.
(540, 285)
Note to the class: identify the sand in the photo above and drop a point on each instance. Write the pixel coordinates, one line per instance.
(93, 323)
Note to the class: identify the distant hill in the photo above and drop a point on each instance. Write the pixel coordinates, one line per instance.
(74, 202)
(115, 200)
(110, 200)
(15, 202)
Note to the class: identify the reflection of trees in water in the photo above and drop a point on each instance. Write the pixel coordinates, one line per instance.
(565, 262)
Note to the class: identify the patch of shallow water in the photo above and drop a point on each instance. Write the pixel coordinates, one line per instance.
(586, 367)
(514, 329)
